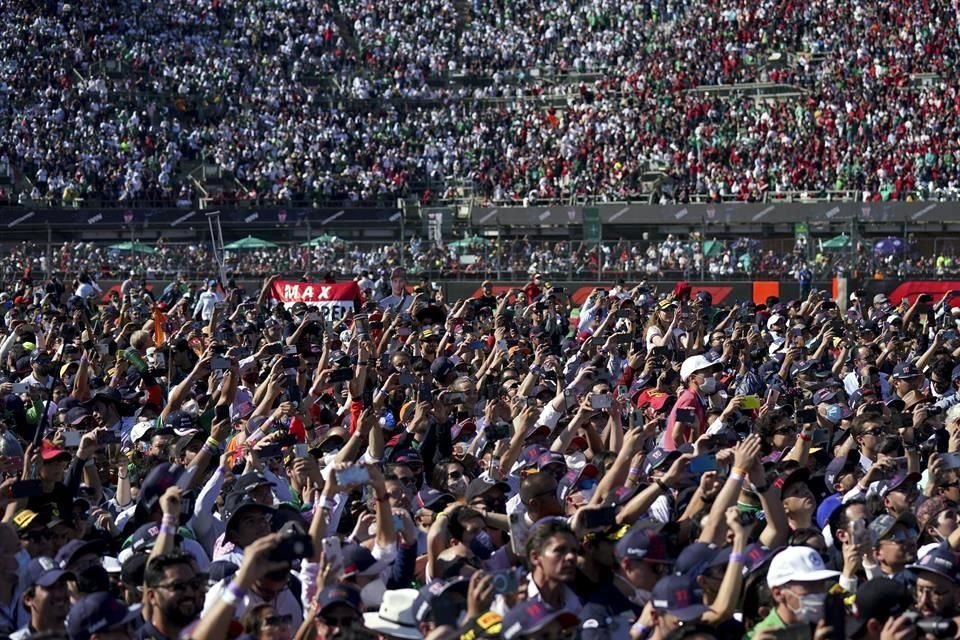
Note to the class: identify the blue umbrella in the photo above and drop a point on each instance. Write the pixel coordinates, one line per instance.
(888, 246)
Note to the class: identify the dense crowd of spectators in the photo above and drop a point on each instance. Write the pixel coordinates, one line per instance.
(303, 100)
(264, 464)
(670, 257)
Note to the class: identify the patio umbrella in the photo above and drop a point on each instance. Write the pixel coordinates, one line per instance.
(469, 243)
(324, 239)
(888, 246)
(249, 243)
(838, 242)
(134, 247)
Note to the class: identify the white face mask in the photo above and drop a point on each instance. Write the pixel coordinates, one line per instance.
(811, 608)
(709, 386)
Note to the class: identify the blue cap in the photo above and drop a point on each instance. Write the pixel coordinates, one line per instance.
(955, 374)
(659, 457)
(941, 561)
(642, 543)
(533, 615)
(344, 594)
(430, 594)
(827, 508)
(95, 613)
(698, 557)
(905, 370)
(430, 498)
(71, 551)
(42, 572)
(679, 596)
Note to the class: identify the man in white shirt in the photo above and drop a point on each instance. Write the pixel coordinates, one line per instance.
(206, 301)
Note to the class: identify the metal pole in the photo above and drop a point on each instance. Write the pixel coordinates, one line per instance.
(49, 273)
(499, 253)
(309, 246)
(703, 246)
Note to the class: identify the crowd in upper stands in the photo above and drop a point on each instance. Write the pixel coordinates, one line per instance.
(307, 101)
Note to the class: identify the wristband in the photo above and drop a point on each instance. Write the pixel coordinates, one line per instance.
(635, 471)
(736, 477)
(739, 471)
(213, 442)
(738, 557)
(639, 630)
(328, 503)
(233, 594)
(805, 437)
(89, 462)
(170, 520)
(167, 529)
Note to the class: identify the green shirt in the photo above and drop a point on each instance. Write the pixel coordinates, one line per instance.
(772, 621)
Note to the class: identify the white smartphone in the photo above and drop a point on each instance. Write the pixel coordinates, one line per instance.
(518, 535)
(332, 552)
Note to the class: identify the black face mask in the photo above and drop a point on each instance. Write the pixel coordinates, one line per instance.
(93, 579)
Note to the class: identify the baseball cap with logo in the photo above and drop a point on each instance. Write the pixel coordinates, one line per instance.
(941, 561)
(531, 616)
(96, 613)
(679, 596)
(642, 543)
(42, 572)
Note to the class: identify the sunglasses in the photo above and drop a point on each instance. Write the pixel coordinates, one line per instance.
(277, 621)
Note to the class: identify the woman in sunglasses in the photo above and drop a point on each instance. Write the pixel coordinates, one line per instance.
(262, 622)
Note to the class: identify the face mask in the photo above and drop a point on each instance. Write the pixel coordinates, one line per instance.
(709, 386)
(811, 607)
(372, 594)
(482, 546)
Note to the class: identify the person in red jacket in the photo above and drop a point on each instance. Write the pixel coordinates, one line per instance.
(697, 373)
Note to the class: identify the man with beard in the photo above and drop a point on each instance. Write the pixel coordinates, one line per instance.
(174, 591)
(45, 597)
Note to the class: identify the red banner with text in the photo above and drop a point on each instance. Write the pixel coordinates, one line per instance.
(333, 300)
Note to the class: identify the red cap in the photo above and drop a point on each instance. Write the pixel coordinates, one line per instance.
(50, 452)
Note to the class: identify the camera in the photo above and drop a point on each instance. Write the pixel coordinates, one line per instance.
(933, 625)
(294, 546)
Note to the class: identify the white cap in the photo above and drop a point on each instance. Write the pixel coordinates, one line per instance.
(773, 320)
(693, 364)
(140, 429)
(797, 564)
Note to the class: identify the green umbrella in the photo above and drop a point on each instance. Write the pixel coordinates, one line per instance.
(324, 239)
(249, 243)
(134, 247)
(838, 242)
(712, 248)
(469, 243)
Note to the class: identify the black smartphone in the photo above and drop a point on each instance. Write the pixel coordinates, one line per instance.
(599, 518)
(341, 375)
(686, 416)
(806, 416)
(273, 349)
(406, 379)
(505, 582)
(835, 615)
(290, 362)
(367, 399)
(498, 431)
(293, 547)
(924, 297)
(219, 364)
(270, 451)
(426, 393)
(26, 489)
(108, 437)
(222, 412)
